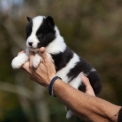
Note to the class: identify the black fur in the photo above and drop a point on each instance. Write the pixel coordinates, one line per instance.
(81, 66)
(50, 21)
(61, 59)
(94, 79)
(29, 19)
(45, 33)
(29, 29)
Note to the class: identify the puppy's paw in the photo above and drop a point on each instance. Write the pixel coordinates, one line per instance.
(36, 61)
(69, 114)
(16, 63)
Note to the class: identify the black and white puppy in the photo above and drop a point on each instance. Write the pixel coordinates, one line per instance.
(42, 32)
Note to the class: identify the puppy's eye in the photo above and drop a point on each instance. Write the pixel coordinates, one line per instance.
(40, 35)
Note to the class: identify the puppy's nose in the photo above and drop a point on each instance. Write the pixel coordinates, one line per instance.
(30, 43)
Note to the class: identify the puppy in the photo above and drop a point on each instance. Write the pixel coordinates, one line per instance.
(41, 31)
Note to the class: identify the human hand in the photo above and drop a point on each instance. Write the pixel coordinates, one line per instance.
(89, 89)
(44, 73)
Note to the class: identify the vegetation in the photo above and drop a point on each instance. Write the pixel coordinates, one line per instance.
(90, 28)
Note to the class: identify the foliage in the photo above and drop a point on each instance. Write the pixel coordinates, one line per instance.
(90, 28)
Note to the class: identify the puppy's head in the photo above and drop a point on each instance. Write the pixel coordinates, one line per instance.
(40, 32)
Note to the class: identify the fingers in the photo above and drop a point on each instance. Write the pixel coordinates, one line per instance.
(43, 54)
(31, 60)
(46, 59)
(25, 67)
(48, 63)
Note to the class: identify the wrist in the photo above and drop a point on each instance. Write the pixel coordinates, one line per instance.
(50, 88)
(47, 82)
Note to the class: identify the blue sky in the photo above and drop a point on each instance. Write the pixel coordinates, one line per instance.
(6, 4)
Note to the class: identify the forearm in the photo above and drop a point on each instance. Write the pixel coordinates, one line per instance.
(85, 106)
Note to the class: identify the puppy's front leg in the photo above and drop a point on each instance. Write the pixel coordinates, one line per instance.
(19, 60)
(36, 60)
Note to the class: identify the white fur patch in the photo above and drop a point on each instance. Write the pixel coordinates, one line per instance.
(69, 114)
(32, 38)
(37, 21)
(56, 46)
(76, 81)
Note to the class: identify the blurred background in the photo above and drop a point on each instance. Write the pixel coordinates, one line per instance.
(91, 28)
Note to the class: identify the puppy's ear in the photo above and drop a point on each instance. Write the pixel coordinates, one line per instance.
(29, 19)
(50, 20)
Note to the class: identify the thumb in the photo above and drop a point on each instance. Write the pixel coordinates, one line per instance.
(85, 80)
(89, 89)
(43, 53)
(42, 49)
(46, 59)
